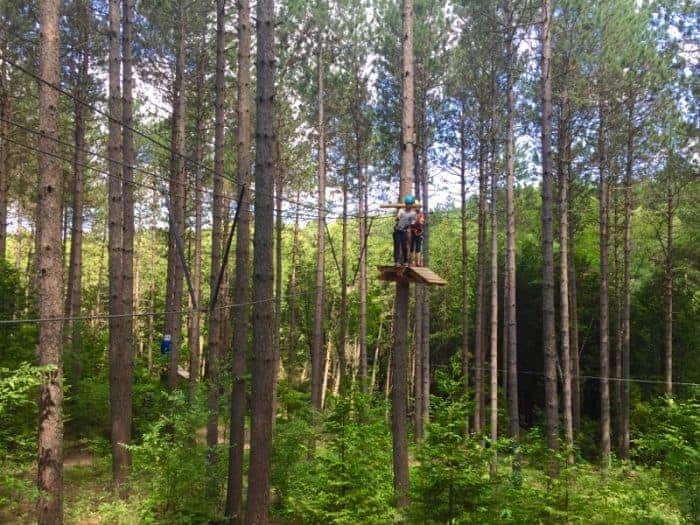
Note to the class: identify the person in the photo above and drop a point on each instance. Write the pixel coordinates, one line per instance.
(416, 232)
(405, 217)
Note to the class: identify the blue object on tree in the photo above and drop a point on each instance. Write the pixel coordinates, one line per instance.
(165, 345)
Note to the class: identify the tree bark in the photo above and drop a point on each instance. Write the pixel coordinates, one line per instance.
(604, 310)
(234, 495)
(264, 372)
(174, 288)
(564, 323)
(317, 356)
(573, 315)
(493, 390)
(4, 159)
(49, 276)
(626, 286)
(480, 288)
(465, 256)
(548, 334)
(399, 392)
(342, 318)
(291, 351)
(75, 267)
(119, 356)
(511, 317)
(215, 339)
(193, 328)
(668, 288)
(363, 276)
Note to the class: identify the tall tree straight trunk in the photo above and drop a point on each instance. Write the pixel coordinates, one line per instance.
(264, 372)
(668, 289)
(4, 158)
(215, 340)
(563, 140)
(548, 334)
(465, 255)
(49, 276)
(291, 350)
(604, 343)
(126, 373)
(174, 289)
(626, 285)
(479, 339)
(425, 314)
(573, 312)
(234, 495)
(511, 351)
(193, 328)
(617, 295)
(317, 356)
(363, 276)
(120, 410)
(493, 390)
(279, 226)
(399, 363)
(342, 317)
(75, 267)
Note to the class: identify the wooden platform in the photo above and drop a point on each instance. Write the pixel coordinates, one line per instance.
(414, 274)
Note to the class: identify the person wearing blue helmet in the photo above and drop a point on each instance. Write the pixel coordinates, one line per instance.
(405, 218)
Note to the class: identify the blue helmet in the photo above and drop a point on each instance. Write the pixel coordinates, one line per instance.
(409, 200)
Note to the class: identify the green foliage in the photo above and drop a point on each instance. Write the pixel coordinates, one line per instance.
(450, 478)
(172, 467)
(666, 435)
(344, 477)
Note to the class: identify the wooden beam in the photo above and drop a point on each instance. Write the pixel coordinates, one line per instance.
(414, 274)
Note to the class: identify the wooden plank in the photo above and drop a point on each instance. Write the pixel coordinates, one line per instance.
(414, 274)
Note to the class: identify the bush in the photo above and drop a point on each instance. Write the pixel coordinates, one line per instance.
(346, 478)
(175, 469)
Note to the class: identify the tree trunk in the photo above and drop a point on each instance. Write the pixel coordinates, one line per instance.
(216, 314)
(193, 329)
(119, 354)
(575, 352)
(465, 257)
(425, 314)
(511, 317)
(399, 392)
(564, 324)
(363, 277)
(174, 289)
(626, 287)
(342, 318)
(604, 313)
(291, 351)
(49, 276)
(234, 495)
(480, 290)
(493, 390)
(75, 267)
(548, 334)
(317, 342)
(4, 159)
(668, 288)
(264, 372)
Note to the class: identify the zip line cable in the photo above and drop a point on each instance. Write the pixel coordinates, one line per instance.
(137, 131)
(146, 136)
(144, 313)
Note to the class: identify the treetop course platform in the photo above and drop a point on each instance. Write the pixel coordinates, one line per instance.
(413, 274)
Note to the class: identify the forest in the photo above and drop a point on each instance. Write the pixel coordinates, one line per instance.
(349, 262)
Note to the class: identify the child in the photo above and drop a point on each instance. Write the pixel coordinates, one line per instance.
(417, 239)
(404, 219)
